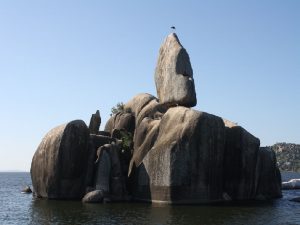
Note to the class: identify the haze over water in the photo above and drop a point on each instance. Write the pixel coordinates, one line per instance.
(18, 208)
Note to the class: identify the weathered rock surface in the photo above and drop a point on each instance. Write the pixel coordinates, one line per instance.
(145, 105)
(100, 140)
(268, 174)
(109, 176)
(121, 120)
(174, 74)
(240, 158)
(103, 173)
(95, 123)
(194, 157)
(93, 197)
(144, 139)
(59, 164)
(95, 141)
(185, 163)
(138, 102)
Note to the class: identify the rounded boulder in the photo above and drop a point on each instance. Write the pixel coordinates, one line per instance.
(58, 168)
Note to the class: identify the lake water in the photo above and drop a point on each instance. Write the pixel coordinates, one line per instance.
(18, 208)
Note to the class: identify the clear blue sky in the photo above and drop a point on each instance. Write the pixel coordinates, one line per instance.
(63, 60)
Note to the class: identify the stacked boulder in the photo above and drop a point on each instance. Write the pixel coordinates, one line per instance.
(174, 74)
(158, 149)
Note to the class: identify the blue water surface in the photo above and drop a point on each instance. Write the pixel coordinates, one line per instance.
(19, 208)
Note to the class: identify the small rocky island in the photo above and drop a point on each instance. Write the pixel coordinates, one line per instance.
(156, 149)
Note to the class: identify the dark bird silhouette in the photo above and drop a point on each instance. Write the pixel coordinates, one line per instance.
(173, 28)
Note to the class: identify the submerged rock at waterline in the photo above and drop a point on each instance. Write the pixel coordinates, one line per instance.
(26, 190)
(95, 196)
(157, 150)
(291, 184)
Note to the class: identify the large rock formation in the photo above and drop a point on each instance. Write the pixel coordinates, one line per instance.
(174, 74)
(157, 150)
(184, 164)
(187, 156)
(59, 164)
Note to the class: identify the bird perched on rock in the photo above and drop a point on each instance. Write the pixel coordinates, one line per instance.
(173, 28)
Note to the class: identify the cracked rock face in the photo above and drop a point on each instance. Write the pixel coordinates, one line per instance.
(174, 74)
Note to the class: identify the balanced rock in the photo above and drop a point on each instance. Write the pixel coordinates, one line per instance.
(181, 155)
(174, 74)
(58, 168)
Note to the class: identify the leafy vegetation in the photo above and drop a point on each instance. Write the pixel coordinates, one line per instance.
(127, 140)
(120, 107)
